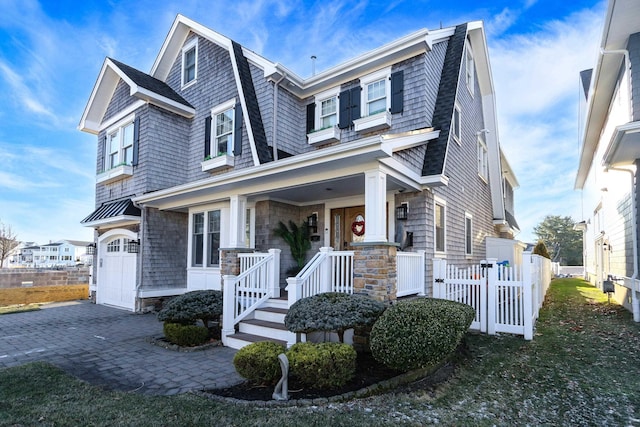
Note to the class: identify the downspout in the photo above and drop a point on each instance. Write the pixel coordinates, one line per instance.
(634, 298)
(275, 115)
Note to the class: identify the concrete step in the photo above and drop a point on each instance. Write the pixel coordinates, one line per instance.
(271, 314)
(241, 339)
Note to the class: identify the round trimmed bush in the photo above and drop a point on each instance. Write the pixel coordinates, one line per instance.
(324, 365)
(419, 333)
(202, 305)
(185, 335)
(258, 362)
(332, 311)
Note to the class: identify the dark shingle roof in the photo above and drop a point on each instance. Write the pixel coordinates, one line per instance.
(113, 209)
(437, 149)
(585, 77)
(150, 83)
(251, 100)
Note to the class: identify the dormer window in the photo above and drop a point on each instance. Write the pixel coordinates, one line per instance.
(329, 112)
(190, 62)
(222, 129)
(375, 92)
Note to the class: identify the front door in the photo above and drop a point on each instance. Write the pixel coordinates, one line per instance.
(347, 227)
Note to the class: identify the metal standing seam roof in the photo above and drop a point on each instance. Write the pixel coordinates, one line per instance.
(511, 220)
(113, 209)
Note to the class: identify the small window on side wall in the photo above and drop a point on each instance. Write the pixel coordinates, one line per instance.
(190, 62)
(468, 234)
(455, 124)
(469, 68)
(440, 226)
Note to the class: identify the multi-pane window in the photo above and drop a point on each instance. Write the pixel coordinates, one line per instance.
(205, 230)
(455, 123)
(114, 246)
(120, 145)
(483, 158)
(197, 240)
(440, 232)
(213, 238)
(329, 112)
(190, 62)
(376, 94)
(223, 132)
(468, 234)
(469, 68)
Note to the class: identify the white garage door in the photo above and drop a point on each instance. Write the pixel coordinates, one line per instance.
(116, 274)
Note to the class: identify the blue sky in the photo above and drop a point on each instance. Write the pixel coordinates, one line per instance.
(51, 53)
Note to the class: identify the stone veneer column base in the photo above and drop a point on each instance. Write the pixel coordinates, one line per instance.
(374, 270)
(229, 261)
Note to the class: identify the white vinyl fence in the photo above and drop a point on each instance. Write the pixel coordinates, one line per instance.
(506, 299)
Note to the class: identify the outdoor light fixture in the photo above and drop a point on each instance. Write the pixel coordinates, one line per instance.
(312, 223)
(91, 249)
(402, 212)
(133, 246)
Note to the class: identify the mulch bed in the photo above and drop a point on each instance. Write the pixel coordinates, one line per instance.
(368, 372)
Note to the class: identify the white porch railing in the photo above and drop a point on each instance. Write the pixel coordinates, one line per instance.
(242, 294)
(506, 299)
(410, 273)
(328, 271)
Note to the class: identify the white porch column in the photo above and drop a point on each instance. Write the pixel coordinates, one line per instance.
(375, 200)
(237, 221)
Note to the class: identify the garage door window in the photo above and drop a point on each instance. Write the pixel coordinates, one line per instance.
(114, 246)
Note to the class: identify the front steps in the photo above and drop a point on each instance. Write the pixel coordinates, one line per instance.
(267, 324)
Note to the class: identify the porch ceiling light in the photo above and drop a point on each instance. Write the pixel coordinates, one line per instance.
(402, 212)
(91, 249)
(133, 246)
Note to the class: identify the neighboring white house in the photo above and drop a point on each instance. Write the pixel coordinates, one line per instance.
(61, 253)
(610, 156)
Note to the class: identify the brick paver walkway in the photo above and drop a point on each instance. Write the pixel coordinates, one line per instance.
(110, 348)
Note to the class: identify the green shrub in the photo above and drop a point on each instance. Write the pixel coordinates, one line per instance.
(541, 249)
(195, 305)
(332, 311)
(419, 333)
(258, 362)
(325, 365)
(185, 335)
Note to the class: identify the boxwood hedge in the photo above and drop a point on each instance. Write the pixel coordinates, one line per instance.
(419, 333)
(323, 365)
(258, 362)
(202, 305)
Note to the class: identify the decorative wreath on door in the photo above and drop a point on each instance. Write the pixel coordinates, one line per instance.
(357, 226)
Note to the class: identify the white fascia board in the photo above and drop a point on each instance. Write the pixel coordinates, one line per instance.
(407, 140)
(119, 221)
(370, 145)
(164, 102)
(99, 99)
(508, 171)
(384, 56)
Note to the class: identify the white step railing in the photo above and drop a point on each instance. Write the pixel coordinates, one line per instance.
(244, 293)
(328, 271)
(410, 273)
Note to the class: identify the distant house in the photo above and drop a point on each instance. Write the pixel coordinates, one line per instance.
(58, 254)
(610, 156)
(201, 158)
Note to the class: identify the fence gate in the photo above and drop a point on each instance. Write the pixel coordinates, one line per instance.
(501, 296)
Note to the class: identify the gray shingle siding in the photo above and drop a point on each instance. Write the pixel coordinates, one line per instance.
(119, 101)
(291, 130)
(633, 46)
(164, 249)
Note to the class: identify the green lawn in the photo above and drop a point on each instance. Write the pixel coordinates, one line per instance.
(582, 368)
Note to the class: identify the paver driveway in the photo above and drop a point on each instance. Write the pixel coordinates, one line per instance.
(110, 348)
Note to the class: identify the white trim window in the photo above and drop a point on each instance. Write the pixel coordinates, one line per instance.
(469, 68)
(376, 92)
(456, 125)
(222, 128)
(189, 71)
(328, 112)
(468, 234)
(483, 158)
(205, 230)
(439, 225)
(119, 146)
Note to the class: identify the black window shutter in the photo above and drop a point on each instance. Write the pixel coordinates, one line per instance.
(355, 103)
(397, 92)
(237, 132)
(311, 117)
(345, 109)
(136, 140)
(207, 137)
